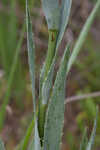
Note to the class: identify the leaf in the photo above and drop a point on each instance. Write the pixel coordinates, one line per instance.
(91, 141)
(64, 10)
(31, 55)
(55, 113)
(35, 142)
(1, 145)
(64, 17)
(37, 145)
(31, 52)
(84, 140)
(52, 12)
(83, 35)
(47, 67)
(47, 86)
(43, 99)
(24, 143)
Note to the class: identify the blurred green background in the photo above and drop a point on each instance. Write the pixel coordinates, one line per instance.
(15, 85)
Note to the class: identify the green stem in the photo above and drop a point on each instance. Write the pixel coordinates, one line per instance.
(51, 50)
(41, 121)
(50, 55)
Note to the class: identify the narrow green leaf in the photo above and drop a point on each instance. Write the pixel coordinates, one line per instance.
(51, 51)
(91, 141)
(47, 86)
(55, 113)
(46, 75)
(35, 142)
(31, 55)
(31, 52)
(41, 79)
(37, 145)
(44, 98)
(1, 145)
(49, 59)
(83, 35)
(24, 143)
(84, 140)
(64, 17)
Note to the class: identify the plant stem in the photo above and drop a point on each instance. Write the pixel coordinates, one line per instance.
(51, 50)
(50, 55)
(41, 121)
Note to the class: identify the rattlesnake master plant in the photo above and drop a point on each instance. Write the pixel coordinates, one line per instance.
(50, 117)
(47, 124)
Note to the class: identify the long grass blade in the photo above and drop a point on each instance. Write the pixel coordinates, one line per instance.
(91, 141)
(31, 56)
(24, 144)
(31, 52)
(83, 35)
(64, 17)
(84, 140)
(35, 142)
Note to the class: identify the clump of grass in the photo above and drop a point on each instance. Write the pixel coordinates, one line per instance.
(47, 124)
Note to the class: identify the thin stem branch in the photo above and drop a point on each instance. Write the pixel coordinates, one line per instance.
(81, 97)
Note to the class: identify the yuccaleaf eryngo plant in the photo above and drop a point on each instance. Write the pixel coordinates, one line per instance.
(47, 124)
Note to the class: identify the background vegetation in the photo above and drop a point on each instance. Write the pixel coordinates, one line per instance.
(15, 86)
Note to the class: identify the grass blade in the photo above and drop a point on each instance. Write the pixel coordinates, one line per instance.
(55, 113)
(91, 141)
(31, 56)
(84, 140)
(31, 52)
(47, 86)
(37, 145)
(35, 142)
(24, 144)
(83, 35)
(64, 17)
